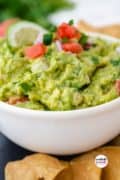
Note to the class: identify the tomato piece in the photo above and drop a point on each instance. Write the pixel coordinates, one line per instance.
(2, 31)
(117, 86)
(35, 51)
(67, 31)
(16, 99)
(5, 25)
(72, 47)
(78, 35)
(9, 22)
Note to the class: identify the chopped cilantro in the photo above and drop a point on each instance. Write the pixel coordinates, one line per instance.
(83, 40)
(71, 22)
(52, 28)
(25, 87)
(47, 38)
(95, 60)
(115, 62)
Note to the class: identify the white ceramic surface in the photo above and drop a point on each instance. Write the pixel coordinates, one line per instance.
(62, 133)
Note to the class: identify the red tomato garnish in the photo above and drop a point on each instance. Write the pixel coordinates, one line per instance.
(72, 47)
(2, 31)
(117, 86)
(67, 31)
(5, 25)
(16, 99)
(78, 34)
(9, 22)
(35, 51)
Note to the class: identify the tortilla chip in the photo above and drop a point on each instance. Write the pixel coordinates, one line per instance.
(65, 175)
(116, 141)
(44, 167)
(36, 167)
(112, 171)
(112, 30)
(19, 171)
(84, 26)
(84, 167)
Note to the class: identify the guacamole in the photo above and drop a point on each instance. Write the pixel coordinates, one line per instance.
(60, 80)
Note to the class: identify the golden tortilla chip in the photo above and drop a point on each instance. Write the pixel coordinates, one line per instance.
(18, 170)
(44, 167)
(112, 30)
(112, 171)
(84, 167)
(116, 141)
(84, 26)
(65, 175)
(38, 167)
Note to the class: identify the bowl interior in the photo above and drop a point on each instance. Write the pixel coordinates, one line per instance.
(104, 106)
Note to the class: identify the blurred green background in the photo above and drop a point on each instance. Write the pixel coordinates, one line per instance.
(33, 10)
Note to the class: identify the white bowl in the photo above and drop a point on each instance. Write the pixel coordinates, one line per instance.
(62, 133)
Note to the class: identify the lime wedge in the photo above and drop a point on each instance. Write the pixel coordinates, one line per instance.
(24, 33)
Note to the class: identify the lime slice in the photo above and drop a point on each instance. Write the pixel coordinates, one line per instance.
(24, 33)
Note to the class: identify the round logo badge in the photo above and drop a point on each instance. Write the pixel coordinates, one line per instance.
(101, 161)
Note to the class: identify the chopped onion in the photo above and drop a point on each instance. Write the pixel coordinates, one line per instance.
(91, 40)
(39, 39)
(39, 66)
(58, 45)
(118, 49)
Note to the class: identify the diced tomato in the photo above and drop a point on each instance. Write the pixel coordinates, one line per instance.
(5, 25)
(67, 31)
(8, 22)
(78, 35)
(35, 51)
(72, 47)
(117, 86)
(2, 31)
(16, 99)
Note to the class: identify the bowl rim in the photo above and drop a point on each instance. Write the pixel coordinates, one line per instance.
(85, 112)
(90, 110)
